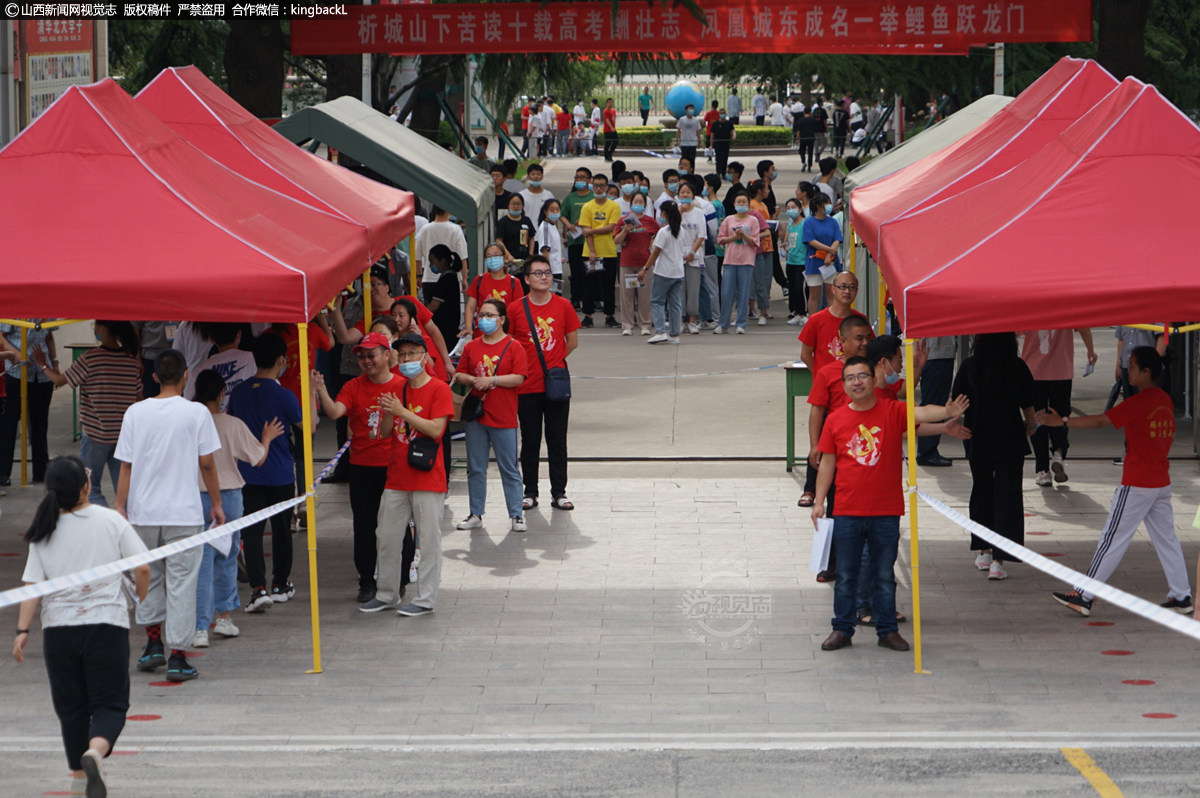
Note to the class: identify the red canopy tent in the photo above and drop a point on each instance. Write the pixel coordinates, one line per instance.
(1064, 234)
(192, 105)
(1023, 127)
(108, 213)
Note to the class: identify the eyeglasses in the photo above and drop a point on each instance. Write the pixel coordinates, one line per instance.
(852, 287)
(857, 377)
(410, 356)
(541, 273)
(488, 315)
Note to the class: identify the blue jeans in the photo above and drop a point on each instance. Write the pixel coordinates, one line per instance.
(881, 534)
(504, 443)
(217, 588)
(96, 456)
(666, 297)
(563, 136)
(736, 286)
(762, 281)
(936, 379)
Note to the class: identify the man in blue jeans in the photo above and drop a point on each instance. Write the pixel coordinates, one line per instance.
(861, 444)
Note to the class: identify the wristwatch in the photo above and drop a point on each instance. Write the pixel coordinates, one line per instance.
(22, 631)
(1065, 420)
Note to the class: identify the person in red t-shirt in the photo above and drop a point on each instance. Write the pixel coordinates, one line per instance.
(494, 284)
(563, 118)
(370, 452)
(1148, 421)
(610, 129)
(421, 408)
(861, 445)
(556, 323)
(634, 235)
(494, 369)
(525, 112)
(712, 116)
(319, 338)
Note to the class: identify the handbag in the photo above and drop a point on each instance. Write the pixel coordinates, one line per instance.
(472, 405)
(557, 379)
(422, 450)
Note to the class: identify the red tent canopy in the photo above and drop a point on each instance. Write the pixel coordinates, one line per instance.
(1096, 228)
(192, 105)
(108, 213)
(1041, 112)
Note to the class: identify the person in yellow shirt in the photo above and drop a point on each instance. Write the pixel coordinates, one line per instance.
(598, 219)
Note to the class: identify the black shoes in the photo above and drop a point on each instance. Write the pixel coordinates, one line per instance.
(587, 322)
(153, 656)
(1075, 602)
(609, 321)
(180, 670)
(1181, 606)
(894, 641)
(365, 594)
(935, 461)
(835, 641)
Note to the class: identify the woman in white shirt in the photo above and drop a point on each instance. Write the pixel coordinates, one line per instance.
(85, 628)
(693, 233)
(549, 241)
(667, 258)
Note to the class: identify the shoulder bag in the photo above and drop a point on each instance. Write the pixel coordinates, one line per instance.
(557, 379)
(472, 404)
(422, 450)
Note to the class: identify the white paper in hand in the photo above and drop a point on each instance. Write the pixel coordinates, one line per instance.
(822, 541)
(222, 543)
(828, 272)
(1088, 369)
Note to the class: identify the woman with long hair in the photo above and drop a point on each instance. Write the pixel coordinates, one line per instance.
(443, 295)
(1000, 388)
(85, 628)
(666, 261)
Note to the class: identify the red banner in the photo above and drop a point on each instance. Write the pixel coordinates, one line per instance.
(760, 26)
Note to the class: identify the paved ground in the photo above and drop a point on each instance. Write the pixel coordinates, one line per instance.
(573, 660)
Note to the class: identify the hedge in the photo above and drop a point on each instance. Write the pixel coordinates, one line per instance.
(658, 137)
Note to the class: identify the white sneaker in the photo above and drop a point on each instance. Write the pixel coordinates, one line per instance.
(768, 315)
(707, 325)
(470, 522)
(225, 628)
(694, 328)
(762, 321)
(658, 339)
(797, 319)
(996, 572)
(1056, 467)
(719, 331)
(645, 332)
(741, 330)
(983, 560)
(519, 525)
(201, 639)
(672, 339)
(1042, 479)
(627, 331)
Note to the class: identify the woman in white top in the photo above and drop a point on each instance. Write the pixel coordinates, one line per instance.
(549, 240)
(693, 232)
(85, 628)
(668, 255)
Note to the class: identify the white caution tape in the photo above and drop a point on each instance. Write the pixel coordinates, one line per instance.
(1126, 601)
(17, 595)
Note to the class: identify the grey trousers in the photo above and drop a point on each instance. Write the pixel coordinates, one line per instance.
(692, 276)
(711, 282)
(424, 507)
(171, 599)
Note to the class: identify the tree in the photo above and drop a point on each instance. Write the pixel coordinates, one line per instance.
(139, 49)
(1121, 39)
(254, 65)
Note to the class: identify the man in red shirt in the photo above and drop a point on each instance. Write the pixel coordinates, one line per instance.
(370, 451)
(712, 116)
(861, 444)
(525, 112)
(555, 325)
(610, 129)
(563, 118)
(1148, 421)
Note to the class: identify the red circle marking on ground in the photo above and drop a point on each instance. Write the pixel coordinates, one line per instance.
(1098, 623)
(1138, 682)
(1052, 554)
(195, 653)
(165, 684)
(18, 554)
(143, 717)
(1031, 515)
(1116, 652)
(126, 753)
(1037, 533)
(1159, 715)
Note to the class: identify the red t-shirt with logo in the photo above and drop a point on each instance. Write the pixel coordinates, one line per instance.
(432, 400)
(635, 250)
(506, 288)
(363, 413)
(821, 333)
(828, 390)
(1148, 420)
(481, 359)
(553, 320)
(317, 339)
(867, 444)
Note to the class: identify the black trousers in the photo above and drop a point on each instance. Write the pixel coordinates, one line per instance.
(689, 152)
(1056, 394)
(936, 379)
(88, 667)
(150, 386)
(721, 149)
(39, 395)
(534, 413)
(797, 289)
(996, 500)
(255, 498)
(808, 151)
(578, 269)
(610, 144)
(601, 288)
(777, 271)
(296, 439)
(366, 491)
(645, 112)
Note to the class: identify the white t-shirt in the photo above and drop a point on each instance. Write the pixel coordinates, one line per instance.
(776, 114)
(434, 233)
(537, 126)
(689, 129)
(548, 118)
(237, 443)
(579, 113)
(85, 539)
(694, 226)
(534, 202)
(547, 237)
(759, 103)
(164, 439)
(855, 113)
(235, 365)
(663, 197)
(670, 260)
(596, 117)
(194, 347)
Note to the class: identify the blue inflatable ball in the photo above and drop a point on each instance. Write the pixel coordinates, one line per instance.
(683, 93)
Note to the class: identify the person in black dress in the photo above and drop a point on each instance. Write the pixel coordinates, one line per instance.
(1000, 388)
(444, 296)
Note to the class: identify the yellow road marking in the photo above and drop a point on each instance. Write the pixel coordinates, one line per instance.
(1099, 780)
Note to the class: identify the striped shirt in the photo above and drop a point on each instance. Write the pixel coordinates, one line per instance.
(109, 381)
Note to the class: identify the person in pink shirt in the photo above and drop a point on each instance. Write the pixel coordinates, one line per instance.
(1050, 355)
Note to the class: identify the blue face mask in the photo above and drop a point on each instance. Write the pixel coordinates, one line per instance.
(638, 208)
(628, 189)
(488, 325)
(409, 370)
(704, 192)
(433, 269)
(893, 378)
(828, 209)
(535, 183)
(723, 117)
(479, 150)
(774, 173)
(554, 217)
(687, 201)
(581, 185)
(682, 172)
(514, 214)
(741, 208)
(645, 189)
(793, 213)
(728, 178)
(494, 263)
(673, 187)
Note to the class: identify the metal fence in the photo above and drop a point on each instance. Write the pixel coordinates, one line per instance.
(625, 95)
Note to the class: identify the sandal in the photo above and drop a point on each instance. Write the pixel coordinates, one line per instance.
(806, 499)
(529, 502)
(562, 503)
(825, 577)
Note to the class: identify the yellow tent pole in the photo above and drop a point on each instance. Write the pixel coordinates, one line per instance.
(882, 322)
(310, 504)
(45, 325)
(853, 249)
(913, 541)
(366, 302)
(412, 264)
(24, 407)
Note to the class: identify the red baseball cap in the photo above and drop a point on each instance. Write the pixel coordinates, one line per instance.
(372, 340)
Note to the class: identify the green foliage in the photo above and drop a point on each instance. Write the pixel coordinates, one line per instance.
(755, 136)
(652, 136)
(140, 49)
(656, 137)
(445, 136)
